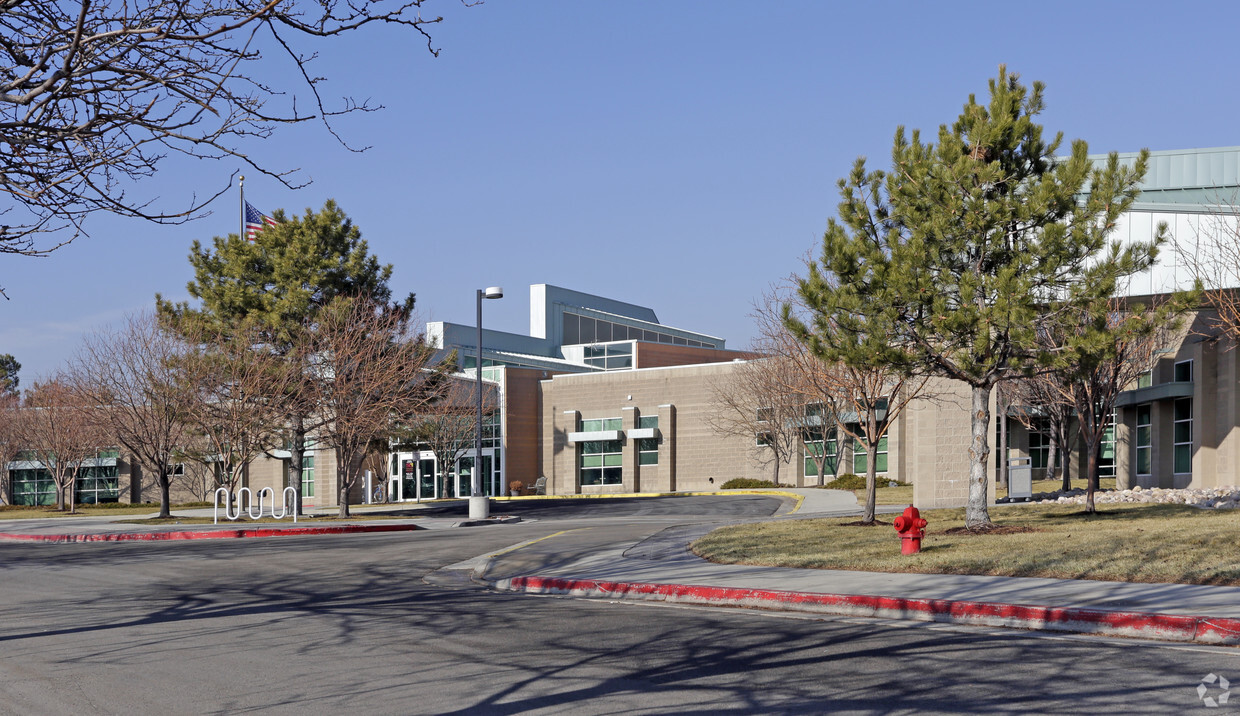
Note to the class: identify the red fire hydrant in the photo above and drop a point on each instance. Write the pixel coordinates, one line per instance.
(910, 526)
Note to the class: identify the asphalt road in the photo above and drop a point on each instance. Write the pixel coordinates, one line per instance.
(324, 625)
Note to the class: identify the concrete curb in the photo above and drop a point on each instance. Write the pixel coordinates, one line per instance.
(1143, 625)
(797, 499)
(210, 534)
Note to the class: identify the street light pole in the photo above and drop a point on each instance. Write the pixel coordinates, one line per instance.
(479, 504)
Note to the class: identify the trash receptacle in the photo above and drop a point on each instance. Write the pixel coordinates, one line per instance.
(1020, 478)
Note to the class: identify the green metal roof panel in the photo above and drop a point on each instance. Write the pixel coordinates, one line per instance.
(1187, 176)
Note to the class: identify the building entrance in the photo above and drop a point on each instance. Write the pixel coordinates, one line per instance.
(418, 476)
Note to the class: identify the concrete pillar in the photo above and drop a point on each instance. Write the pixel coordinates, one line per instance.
(567, 477)
(629, 470)
(667, 448)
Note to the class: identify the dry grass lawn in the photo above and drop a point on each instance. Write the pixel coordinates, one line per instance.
(1137, 543)
(21, 512)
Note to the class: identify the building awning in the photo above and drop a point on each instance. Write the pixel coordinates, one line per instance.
(1155, 393)
(596, 435)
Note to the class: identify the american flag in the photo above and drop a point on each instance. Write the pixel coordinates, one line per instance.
(255, 221)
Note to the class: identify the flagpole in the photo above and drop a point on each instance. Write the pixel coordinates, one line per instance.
(241, 235)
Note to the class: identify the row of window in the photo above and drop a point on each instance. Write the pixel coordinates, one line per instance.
(825, 447)
(601, 462)
(1181, 437)
(93, 485)
(584, 329)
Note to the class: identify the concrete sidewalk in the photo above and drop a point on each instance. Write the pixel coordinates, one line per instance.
(662, 568)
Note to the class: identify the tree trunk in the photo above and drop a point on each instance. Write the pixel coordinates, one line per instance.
(297, 456)
(165, 500)
(1052, 455)
(871, 484)
(343, 511)
(977, 514)
(1091, 475)
(776, 470)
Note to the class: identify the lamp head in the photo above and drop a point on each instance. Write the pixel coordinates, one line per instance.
(493, 292)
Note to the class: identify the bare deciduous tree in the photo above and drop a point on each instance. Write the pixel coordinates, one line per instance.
(93, 95)
(61, 432)
(231, 415)
(866, 393)
(760, 402)
(1103, 355)
(809, 378)
(1040, 398)
(135, 375)
(10, 442)
(370, 373)
(448, 424)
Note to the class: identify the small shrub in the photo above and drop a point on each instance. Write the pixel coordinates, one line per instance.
(746, 483)
(847, 481)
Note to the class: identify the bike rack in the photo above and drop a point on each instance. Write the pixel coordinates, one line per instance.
(287, 503)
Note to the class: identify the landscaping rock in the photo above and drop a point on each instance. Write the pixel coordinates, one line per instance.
(1217, 498)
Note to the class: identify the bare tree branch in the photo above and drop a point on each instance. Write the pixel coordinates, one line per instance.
(94, 95)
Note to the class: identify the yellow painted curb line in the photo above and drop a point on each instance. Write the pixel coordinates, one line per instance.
(798, 499)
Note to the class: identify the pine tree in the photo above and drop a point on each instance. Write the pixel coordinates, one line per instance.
(276, 285)
(955, 256)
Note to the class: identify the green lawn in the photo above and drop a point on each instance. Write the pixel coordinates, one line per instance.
(1135, 543)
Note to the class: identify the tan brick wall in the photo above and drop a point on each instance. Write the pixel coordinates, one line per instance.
(691, 455)
(938, 432)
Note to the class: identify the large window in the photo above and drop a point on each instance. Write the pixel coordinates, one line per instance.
(1106, 449)
(820, 444)
(585, 329)
(648, 448)
(307, 471)
(612, 356)
(1183, 436)
(1184, 371)
(860, 456)
(1145, 440)
(1039, 443)
(601, 460)
(98, 484)
(33, 487)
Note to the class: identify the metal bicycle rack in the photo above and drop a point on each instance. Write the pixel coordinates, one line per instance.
(287, 503)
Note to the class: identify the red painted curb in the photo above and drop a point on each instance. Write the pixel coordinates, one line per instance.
(212, 534)
(1167, 627)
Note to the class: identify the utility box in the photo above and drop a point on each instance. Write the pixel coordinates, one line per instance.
(1020, 478)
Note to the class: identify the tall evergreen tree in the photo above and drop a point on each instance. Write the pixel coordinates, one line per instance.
(276, 285)
(957, 252)
(9, 368)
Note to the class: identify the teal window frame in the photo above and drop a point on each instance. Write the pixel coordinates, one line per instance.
(860, 457)
(648, 448)
(1144, 440)
(1182, 436)
(601, 462)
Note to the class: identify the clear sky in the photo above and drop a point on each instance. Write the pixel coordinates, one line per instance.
(680, 155)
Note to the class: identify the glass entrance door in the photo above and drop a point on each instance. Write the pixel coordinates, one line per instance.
(408, 480)
(427, 481)
(465, 475)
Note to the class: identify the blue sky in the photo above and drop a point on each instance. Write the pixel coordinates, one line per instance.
(674, 154)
